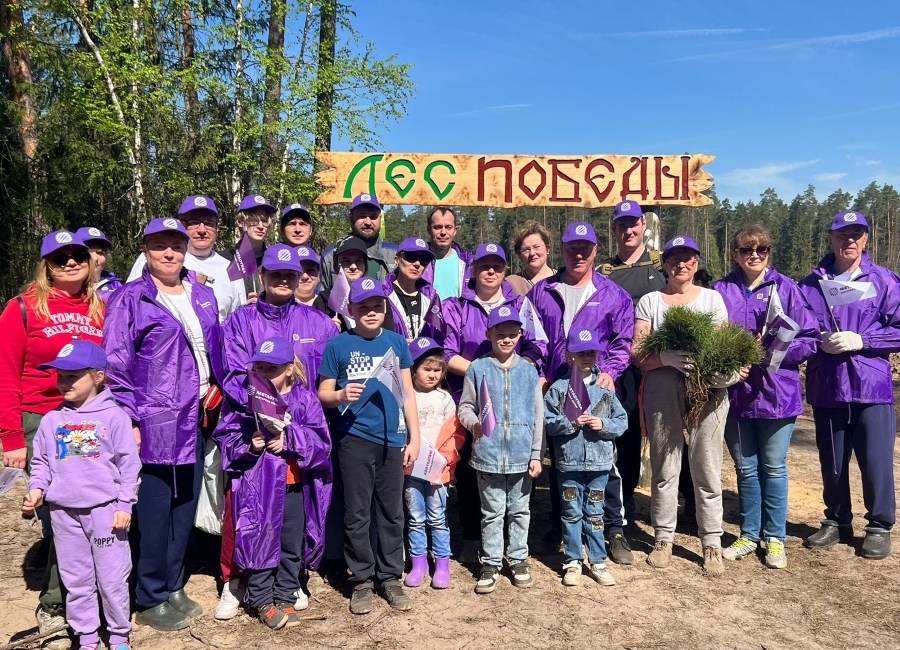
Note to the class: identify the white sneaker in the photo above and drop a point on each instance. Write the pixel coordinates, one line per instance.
(302, 601)
(600, 573)
(46, 622)
(229, 602)
(572, 573)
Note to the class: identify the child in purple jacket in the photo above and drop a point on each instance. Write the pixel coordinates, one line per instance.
(86, 467)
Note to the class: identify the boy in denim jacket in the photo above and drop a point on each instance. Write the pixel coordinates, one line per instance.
(584, 455)
(502, 406)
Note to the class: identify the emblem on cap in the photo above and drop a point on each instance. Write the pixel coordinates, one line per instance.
(368, 283)
(284, 255)
(678, 241)
(581, 230)
(625, 207)
(200, 201)
(171, 223)
(584, 335)
(423, 343)
(420, 243)
(296, 206)
(95, 232)
(68, 348)
(504, 311)
(303, 250)
(491, 248)
(365, 197)
(258, 200)
(266, 347)
(63, 238)
(850, 216)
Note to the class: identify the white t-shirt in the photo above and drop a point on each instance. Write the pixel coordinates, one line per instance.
(230, 294)
(180, 307)
(652, 309)
(435, 408)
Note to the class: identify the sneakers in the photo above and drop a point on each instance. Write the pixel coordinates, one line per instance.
(291, 617)
(363, 598)
(487, 581)
(661, 555)
(521, 575)
(619, 550)
(301, 600)
(828, 535)
(600, 573)
(713, 566)
(877, 543)
(572, 573)
(775, 557)
(229, 603)
(273, 617)
(46, 622)
(739, 548)
(470, 550)
(395, 596)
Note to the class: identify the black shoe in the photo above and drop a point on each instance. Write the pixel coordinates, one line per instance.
(362, 599)
(393, 593)
(180, 601)
(487, 581)
(551, 542)
(619, 550)
(829, 534)
(877, 543)
(163, 617)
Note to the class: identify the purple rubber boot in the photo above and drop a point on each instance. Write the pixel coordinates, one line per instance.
(441, 579)
(418, 572)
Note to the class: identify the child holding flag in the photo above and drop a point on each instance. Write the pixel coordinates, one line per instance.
(502, 405)
(365, 376)
(583, 418)
(277, 453)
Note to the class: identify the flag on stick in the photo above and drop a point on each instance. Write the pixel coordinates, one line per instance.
(577, 399)
(531, 323)
(487, 416)
(339, 299)
(243, 264)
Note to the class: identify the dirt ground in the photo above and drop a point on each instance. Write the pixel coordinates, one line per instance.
(830, 599)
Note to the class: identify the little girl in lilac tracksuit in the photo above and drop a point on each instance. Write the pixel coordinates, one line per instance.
(86, 467)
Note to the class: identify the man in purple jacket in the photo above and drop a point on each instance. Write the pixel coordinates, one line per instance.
(577, 296)
(449, 271)
(848, 384)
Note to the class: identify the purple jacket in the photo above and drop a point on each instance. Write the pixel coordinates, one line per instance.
(608, 310)
(307, 327)
(834, 380)
(259, 481)
(765, 394)
(151, 370)
(465, 266)
(466, 323)
(86, 457)
(430, 301)
(108, 284)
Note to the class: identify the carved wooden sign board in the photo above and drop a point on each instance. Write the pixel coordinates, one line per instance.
(514, 181)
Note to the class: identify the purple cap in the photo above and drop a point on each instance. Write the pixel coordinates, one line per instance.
(365, 288)
(307, 254)
(59, 239)
(254, 201)
(422, 346)
(365, 199)
(275, 349)
(289, 213)
(681, 241)
(504, 314)
(486, 250)
(281, 257)
(87, 234)
(579, 231)
(581, 340)
(78, 355)
(415, 245)
(627, 209)
(169, 224)
(845, 219)
(203, 203)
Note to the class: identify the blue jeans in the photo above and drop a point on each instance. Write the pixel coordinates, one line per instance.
(426, 504)
(759, 450)
(504, 497)
(582, 513)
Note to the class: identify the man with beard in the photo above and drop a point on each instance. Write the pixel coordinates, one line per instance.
(365, 223)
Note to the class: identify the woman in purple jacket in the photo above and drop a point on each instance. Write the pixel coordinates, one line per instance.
(414, 304)
(765, 405)
(163, 345)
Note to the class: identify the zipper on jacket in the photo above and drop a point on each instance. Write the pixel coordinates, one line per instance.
(506, 413)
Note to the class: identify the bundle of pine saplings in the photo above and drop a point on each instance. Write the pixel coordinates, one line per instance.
(715, 348)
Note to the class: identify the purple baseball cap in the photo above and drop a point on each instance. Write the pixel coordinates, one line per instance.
(681, 241)
(627, 209)
(581, 340)
(365, 288)
(281, 257)
(365, 199)
(486, 250)
(59, 239)
(256, 201)
(275, 349)
(169, 224)
(422, 346)
(845, 219)
(579, 231)
(88, 234)
(294, 210)
(201, 203)
(78, 355)
(307, 254)
(504, 314)
(415, 245)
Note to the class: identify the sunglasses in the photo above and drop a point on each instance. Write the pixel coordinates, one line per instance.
(423, 258)
(61, 259)
(761, 251)
(255, 221)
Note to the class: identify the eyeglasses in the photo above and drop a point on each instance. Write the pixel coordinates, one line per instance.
(761, 251)
(687, 259)
(533, 249)
(79, 255)
(255, 221)
(193, 224)
(422, 258)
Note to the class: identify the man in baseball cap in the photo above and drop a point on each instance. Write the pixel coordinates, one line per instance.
(296, 225)
(254, 217)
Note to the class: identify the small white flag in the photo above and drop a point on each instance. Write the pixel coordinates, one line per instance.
(839, 292)
(430, 463)
(388, 373)
(531, 323)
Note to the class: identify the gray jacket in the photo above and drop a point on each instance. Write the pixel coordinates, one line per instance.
(381, 254)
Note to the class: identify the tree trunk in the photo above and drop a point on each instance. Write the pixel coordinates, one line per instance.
(238, 105)
(325, 94)
(272, 106)
(191, 102)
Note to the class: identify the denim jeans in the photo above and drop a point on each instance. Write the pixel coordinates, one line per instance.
(504, 497)
(582, 514)
(759, 450)
(426, 504)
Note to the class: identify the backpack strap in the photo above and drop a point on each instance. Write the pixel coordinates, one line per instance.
(609, 266)
(24, 312)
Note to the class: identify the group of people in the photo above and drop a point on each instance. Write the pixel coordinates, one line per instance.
(436, 349)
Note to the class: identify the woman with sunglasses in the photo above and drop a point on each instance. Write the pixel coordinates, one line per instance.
(765, 405)
(415, 305)
(61, 304)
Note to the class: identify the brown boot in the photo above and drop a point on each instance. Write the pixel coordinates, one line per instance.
(661, 555)
(713, 566)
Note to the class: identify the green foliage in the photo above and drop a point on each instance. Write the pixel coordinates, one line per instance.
(731, 348)
(684, 329)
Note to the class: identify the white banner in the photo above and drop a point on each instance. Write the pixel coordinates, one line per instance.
(430, 464)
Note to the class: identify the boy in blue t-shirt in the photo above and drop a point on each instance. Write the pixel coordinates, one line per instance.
(372, 449)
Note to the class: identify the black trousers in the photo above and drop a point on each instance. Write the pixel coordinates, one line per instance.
(467, 494)
(276, 586)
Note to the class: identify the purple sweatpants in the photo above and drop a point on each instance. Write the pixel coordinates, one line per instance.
(92, 557)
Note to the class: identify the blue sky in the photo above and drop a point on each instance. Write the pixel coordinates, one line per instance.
(783, 93)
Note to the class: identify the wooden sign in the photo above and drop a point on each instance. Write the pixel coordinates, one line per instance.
(513, 181)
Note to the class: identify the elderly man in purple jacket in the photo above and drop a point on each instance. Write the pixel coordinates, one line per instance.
(577, 296)
(848, 384)
(450, 269)
(163, 345)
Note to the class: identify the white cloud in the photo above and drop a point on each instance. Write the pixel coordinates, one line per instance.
(869, 163)
(488, 109)
(749, 182)
(830, 177)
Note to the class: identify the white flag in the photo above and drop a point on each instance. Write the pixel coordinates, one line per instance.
(531, 323)
(388, 373)
(774, 308)
(839, 292)
(430, 463)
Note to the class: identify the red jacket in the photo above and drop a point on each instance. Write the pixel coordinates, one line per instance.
(22, 386)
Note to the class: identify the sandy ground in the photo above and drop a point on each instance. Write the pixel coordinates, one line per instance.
(830, 599)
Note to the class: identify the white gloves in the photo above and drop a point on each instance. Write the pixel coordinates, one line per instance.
(840, 342)
(678, 359)
(718, 380)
